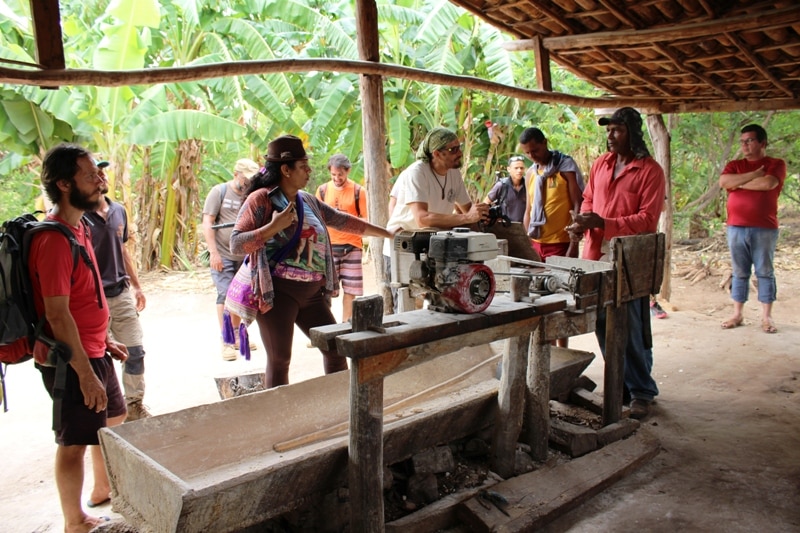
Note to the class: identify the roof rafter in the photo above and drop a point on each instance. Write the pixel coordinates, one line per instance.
(764, 21)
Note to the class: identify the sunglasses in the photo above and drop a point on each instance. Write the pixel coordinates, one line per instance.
(453, 149)
(515, 158)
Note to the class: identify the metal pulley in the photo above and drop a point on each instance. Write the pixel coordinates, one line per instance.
(469, 288)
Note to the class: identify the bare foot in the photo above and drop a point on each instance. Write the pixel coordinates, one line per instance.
(88, 524)
(732, 322)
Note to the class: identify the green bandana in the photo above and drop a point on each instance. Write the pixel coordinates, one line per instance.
(436, 139)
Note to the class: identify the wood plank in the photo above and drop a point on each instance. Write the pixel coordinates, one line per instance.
(749, 21)
(543, 495)
(564, 324)
(639, 260)
(566, 366)
(573, 439)
(424, 326)
(538, 397)
(511, 405)
(47, 33)
(439, 515)
(614, 373)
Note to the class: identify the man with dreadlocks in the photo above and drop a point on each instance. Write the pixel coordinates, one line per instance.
(624, 196)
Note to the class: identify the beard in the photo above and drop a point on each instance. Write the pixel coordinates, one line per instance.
(79, 200)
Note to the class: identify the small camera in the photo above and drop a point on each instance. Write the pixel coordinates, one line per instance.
(497, 210)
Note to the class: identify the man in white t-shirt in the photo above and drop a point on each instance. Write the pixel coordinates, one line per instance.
(428, 192)
(432, 187)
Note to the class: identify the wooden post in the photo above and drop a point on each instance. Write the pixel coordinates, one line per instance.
(539, 394)
(614, 375)
(405, 302)
(376, 178)
(661, 141)
(511, 396)
(365, 454)
(47, 34)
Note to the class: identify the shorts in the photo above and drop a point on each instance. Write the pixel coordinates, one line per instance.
(546, 249)
(79, 424)
(124, 322)
(222, 279)
(347, 262)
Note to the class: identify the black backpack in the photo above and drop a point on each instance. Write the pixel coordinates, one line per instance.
(20, 324)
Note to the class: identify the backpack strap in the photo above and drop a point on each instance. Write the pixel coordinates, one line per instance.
(357, 195)
(222, 190)
(322, 191)
(505, 184)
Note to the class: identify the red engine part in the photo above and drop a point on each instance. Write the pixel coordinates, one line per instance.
(473, 289)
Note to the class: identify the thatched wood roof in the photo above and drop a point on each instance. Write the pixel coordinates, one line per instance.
(673, 55)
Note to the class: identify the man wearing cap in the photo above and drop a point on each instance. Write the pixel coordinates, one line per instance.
(624, 196)
(219, 214)
(344, 194)
(510, 191)
(109, 229)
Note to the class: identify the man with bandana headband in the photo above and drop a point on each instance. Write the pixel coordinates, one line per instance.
(427, 193)
(625, 196)
(430, 189)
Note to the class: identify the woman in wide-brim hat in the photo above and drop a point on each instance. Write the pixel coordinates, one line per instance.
(284, 231)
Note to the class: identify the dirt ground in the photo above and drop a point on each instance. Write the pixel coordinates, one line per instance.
(728, 415)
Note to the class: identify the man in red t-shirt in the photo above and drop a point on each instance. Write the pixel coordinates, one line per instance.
(753, 184)
(71, 298)
(345, 195)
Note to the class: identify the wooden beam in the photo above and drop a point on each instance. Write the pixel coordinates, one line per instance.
(659, 135)
(745, 50)
(372, 125)
(632, 73)
(538, 395)
(681, 64)
(47, 33)
(107, 78)
(365, 452)
(542, 58)
(763, 21)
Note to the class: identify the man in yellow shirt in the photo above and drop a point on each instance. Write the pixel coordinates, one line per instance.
(345, 195)
(555, 184)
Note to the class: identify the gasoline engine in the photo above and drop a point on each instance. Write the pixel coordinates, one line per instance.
(447, 266)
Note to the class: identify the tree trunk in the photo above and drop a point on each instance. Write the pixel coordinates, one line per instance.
(661, 146)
